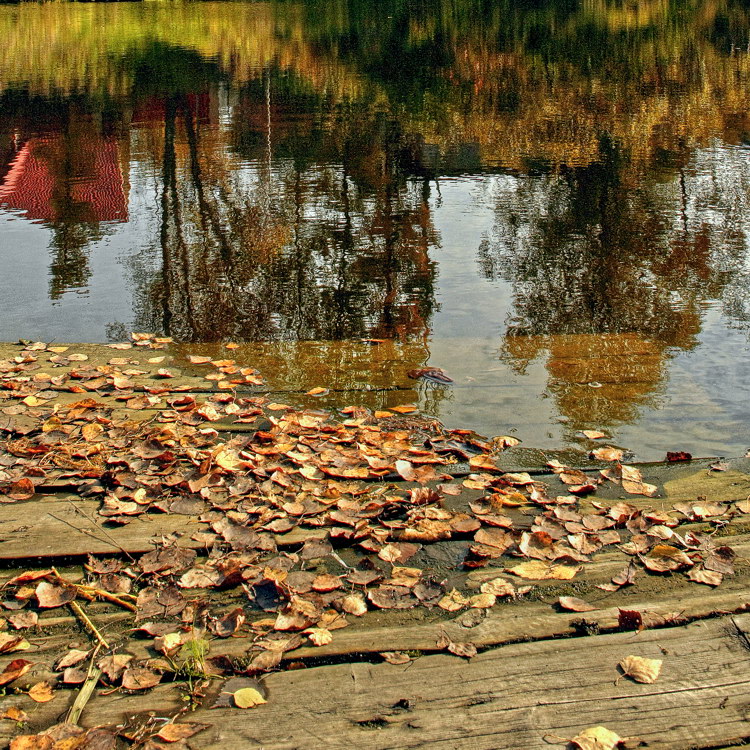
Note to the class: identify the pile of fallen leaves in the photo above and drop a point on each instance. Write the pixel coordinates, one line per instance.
(307, 518)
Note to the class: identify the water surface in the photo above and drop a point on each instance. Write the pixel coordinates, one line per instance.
(548, 199)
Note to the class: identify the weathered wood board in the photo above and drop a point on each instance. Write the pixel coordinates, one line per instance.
(517, 696)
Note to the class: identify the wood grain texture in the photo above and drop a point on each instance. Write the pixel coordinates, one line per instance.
(512, 698)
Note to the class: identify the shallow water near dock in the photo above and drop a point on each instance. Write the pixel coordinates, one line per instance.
(549, 200)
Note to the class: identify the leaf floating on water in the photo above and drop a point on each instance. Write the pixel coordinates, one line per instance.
(641, 669)
(436, 374)
(594, 434)
(574, 604)
(404, 409)
(318, 391)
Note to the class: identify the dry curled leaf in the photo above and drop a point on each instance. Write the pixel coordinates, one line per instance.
(641, 669)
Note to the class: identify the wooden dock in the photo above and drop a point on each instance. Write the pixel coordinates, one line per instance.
(541, 674)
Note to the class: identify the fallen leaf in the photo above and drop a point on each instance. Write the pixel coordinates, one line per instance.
(404, 409)
(396, 657)
(248, 698)
(51, 595)
(710, 577)
(607, 454)
(539, 570)
(175, 732)
(319, 636)
(139, 678)
(596, 738)
(15, 669)
(641, 669)
(465, 650)
(574, 604)
(14, 713)
(41, 692)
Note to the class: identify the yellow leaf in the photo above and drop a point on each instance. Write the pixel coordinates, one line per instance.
(596, 738)
(540, 570)
(641, 669)
(319, 636)
(248, 698)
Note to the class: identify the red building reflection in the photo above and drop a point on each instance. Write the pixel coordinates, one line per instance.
(47, 176)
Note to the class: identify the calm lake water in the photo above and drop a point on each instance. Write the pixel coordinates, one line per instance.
(549, 199)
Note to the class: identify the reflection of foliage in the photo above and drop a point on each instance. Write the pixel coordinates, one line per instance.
(282, 252)
(607, 279)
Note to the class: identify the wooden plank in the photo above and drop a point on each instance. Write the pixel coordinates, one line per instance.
(71, 528)
(518, 696)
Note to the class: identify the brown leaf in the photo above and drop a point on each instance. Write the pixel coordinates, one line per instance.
(73, 657)
(594, 434)
(10, 643)
(664, 558)
(700, 575)
(51, 595)
(319, 636)
(17, 668)
(139, 678)
(32, 742)
(396, 657)
(465, 650)
(641, 669)
(14, 713)
(25, 619)
(574, 604)
(23, 489)
(174, 732)
(354, 604)
(41, 692)
(630, 619)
